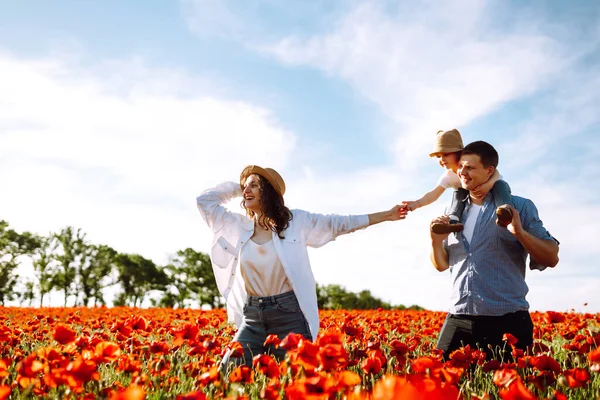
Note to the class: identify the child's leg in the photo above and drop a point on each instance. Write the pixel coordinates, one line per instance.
(458, 205)
(454, 212)
(502, 194)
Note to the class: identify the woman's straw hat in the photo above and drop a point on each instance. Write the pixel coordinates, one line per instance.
(269, 174)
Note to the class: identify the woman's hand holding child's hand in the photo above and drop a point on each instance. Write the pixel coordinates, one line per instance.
(411, 205)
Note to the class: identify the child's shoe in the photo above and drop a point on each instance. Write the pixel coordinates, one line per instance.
(446, 228)
(504, 216)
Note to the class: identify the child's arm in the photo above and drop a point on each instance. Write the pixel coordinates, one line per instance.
(483, 189)
(427, 199)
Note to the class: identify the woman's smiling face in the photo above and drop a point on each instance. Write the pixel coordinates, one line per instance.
(251, 193)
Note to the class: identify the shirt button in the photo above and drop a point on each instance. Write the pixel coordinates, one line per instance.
(260, 300)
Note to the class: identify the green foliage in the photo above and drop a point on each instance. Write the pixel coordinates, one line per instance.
(12, 246)
(137, 276)
(71, 254)
(336, 297)
(68, 263)
(191, 277)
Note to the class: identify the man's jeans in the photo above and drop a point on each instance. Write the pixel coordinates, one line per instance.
(263, 316)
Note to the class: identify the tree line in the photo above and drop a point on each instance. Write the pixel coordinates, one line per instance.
(68, 263)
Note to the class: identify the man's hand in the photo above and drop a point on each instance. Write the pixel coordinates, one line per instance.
(515, 226)
(438, 237)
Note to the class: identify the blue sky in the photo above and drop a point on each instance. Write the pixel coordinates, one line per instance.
(115, 115)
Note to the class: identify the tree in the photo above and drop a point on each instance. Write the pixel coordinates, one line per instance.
(93, 276)
(71, 257)
(366, 301)
(137, 276)
(337, 297)
(12, 245)
(29, 293)
(43, 266)
(191, 278)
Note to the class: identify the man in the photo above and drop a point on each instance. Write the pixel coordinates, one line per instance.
(487, 262)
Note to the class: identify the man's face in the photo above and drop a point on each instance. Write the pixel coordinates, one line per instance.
(471, 171)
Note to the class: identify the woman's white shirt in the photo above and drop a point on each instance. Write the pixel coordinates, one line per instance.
(232, 231)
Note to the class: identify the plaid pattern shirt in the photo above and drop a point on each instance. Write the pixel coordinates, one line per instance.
(488, 274)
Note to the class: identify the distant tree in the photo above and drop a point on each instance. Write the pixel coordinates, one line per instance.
(12, 246)
(191, 278)
(366, 301)
(43, 262)
(337, 297)
(71, 253)
(93, 276)
(137, 276)
(321, 296)
(28, 294)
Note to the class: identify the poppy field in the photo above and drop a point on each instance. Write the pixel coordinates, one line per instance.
(132, 353)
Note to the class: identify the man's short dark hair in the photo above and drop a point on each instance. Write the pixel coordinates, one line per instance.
(486, 152)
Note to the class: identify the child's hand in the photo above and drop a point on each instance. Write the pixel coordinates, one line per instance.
(411, 205)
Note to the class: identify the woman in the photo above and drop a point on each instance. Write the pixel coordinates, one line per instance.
(261, 261)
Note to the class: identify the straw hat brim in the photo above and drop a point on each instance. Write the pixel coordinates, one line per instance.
(269, 174)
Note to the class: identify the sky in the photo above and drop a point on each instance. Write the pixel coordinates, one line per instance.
(115, 115)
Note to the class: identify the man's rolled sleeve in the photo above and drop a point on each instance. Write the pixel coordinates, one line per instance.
(533, 224)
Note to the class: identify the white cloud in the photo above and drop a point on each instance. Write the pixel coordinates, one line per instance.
(121, 150)
(431, 66)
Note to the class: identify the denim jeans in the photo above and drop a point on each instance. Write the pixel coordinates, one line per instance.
(500, 191)
(272, 315)
(484, 332)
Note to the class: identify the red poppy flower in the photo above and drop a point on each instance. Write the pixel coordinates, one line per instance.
(577, 377)
(133, 392)
(212, 375)
(242, 374)
(4, 392)
(516, 390)
(545, 363)
(107, 352)
(510, 339)
(291, 341)
(192, 396)
(266, 365)
(504, 376)
(273, 340)
(236, 350)
(333, 356)
(63, 334)
(553, 317)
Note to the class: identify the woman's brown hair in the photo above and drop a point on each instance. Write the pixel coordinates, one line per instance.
(275, 215)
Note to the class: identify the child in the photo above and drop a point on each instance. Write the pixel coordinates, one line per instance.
(447, 149)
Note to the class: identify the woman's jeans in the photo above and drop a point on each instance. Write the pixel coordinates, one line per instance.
(263, 316)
